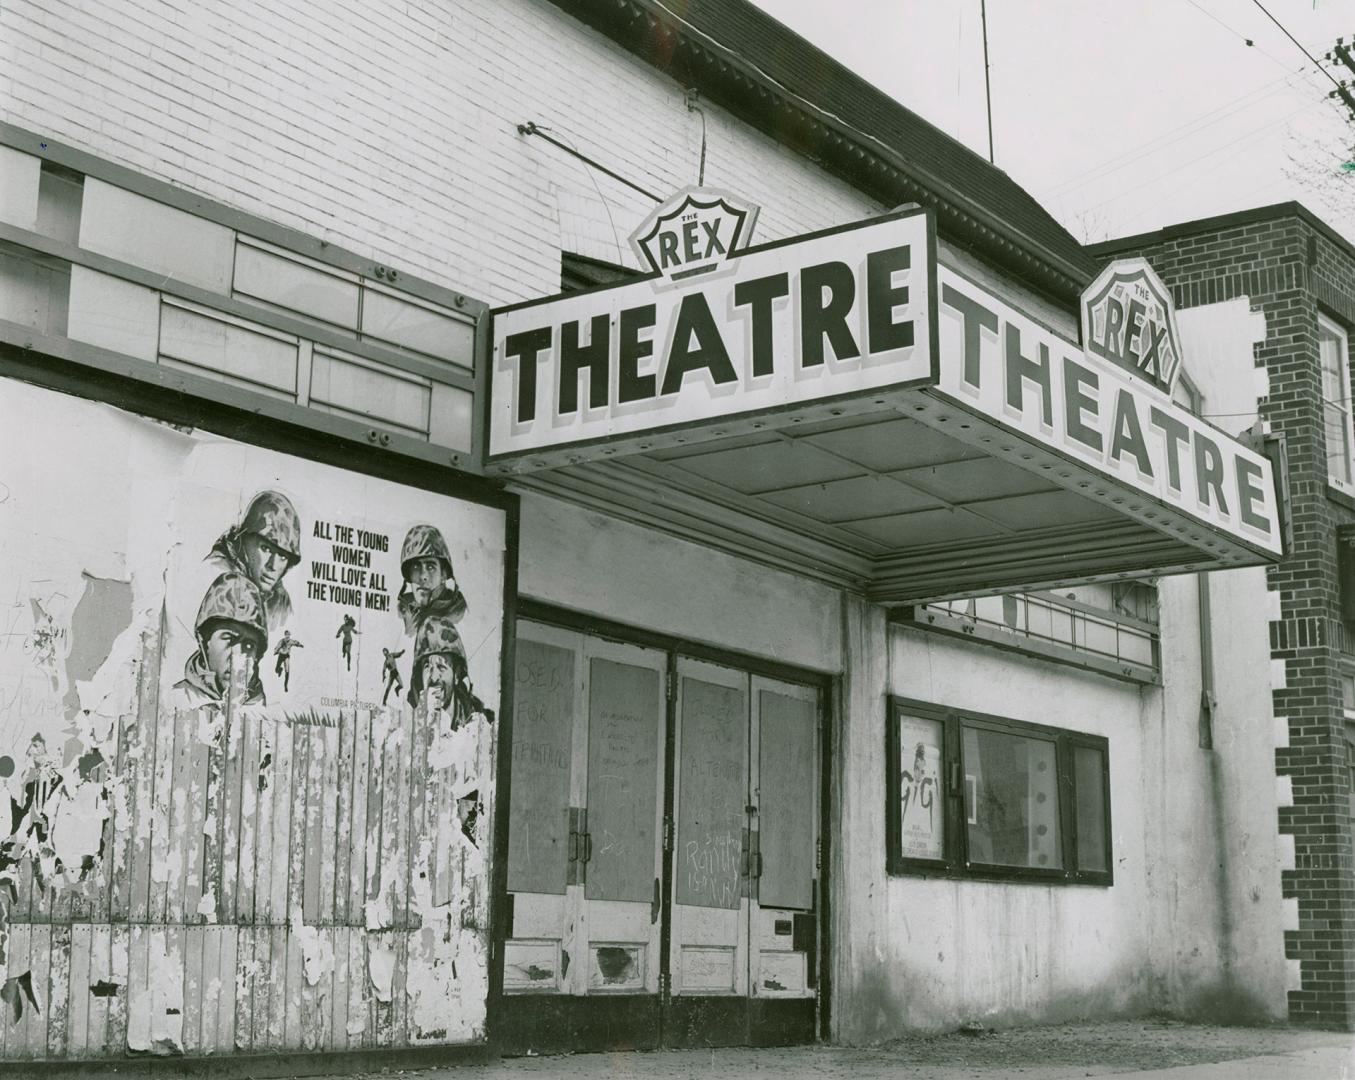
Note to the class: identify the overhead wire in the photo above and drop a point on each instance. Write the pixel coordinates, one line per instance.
(1224, 112)
(1200, 157)
(1190, 127)
(1297, 44)
(1250, 42)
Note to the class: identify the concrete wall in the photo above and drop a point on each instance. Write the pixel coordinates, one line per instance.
(1190, 830)
(595, 564)
(1219, 340)
(930, 954)
(1193, 924)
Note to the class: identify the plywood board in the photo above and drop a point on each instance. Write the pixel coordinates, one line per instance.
(713, 792)
(623, 729)
(543, 721)
(786, 803)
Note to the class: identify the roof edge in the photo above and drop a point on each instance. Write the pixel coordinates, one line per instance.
(1253, 216)
(849, 156)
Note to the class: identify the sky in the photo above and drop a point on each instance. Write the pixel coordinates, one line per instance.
(1119, 116)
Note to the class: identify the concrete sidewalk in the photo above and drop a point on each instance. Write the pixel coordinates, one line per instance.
(1140, 1049)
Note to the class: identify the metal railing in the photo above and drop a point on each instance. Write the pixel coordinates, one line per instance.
(1054, 627)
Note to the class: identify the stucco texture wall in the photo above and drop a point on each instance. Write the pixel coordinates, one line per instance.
(1243, 844)
(1188, 831)
(598, 565)
(930, 954)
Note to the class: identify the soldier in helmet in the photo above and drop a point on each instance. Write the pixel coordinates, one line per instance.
(231, 626)
(264, 546)
(440, 669)
(430, 586)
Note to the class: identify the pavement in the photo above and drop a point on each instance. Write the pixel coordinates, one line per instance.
(1141, 1049)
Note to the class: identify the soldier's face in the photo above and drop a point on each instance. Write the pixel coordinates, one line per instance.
(265, 562)
(438, 679)
(229, 644)
(425, 578)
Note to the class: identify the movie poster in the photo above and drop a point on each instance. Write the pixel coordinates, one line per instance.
(921, 810)
(242, 688)
(320, 592)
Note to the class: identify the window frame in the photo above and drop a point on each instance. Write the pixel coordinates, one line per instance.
(955, 862)
(1347, 671)
(1327, 325)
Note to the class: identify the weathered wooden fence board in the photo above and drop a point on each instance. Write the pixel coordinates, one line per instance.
(259, 886)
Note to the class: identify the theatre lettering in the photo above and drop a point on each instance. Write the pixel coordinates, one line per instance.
(1014, 370)
(694, 346)
(829, 315)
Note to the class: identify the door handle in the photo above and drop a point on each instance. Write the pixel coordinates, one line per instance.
(757, 864)
(654, 907)
(587, 846)
(573, 846)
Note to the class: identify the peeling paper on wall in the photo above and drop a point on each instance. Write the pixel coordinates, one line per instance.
(446, 975)
(55, 754)
(164, 1033)
(120, 564)
(77, 826)
(244, 976)
(317, 951)
(443, 753)
(380, 970)
(379, 913)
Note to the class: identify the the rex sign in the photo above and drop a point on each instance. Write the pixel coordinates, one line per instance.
(693, 232)
(834, 315)
(1128, 318)
(1117, 433)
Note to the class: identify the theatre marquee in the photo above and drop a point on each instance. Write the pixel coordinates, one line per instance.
(876, 413)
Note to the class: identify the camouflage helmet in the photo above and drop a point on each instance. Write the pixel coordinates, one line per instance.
(235, 598)
(424, 542)
(436, 635)
(272, 516)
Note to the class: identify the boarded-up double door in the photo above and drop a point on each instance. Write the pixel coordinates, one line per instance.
(663, 843)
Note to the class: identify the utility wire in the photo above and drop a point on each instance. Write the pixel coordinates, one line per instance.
(1237, 34)
(1193, 126)
(1190, 127)
(1297, 45)
(1191, 161)
(987, 79)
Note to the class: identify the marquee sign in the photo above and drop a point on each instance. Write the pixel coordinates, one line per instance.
(1029, 381)
(833, 315)
(724, 339)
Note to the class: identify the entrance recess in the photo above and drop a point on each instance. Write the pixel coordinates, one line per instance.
(663, 850)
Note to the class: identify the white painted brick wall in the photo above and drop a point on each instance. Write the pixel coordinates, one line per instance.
(391, 129)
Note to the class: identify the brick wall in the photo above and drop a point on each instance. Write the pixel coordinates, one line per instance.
(392, 129)
(1288, 268)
